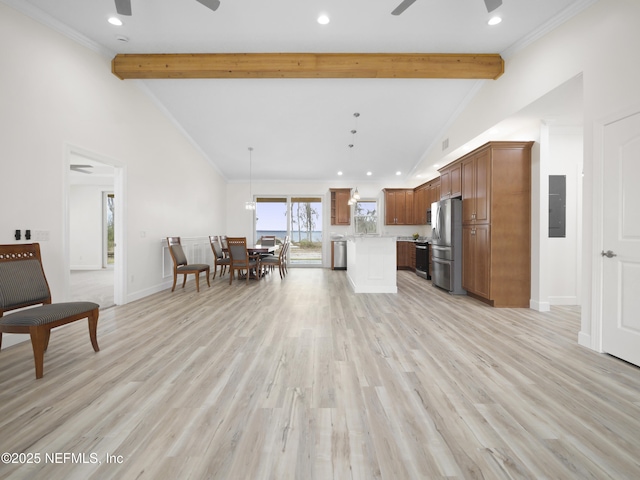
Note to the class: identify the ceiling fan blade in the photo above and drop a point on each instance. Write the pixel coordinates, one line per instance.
(80, 168)
(211, 4)
(123, 7)
(403, 6)
(492, 4)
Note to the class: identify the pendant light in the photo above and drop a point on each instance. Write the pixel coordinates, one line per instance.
(250, 205)
(355, 196)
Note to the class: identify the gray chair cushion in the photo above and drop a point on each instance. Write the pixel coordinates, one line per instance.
(271, 259)
(44, 314)
(22, 282)
(193, 266)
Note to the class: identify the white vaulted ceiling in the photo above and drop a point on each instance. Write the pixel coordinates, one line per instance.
(301, 128)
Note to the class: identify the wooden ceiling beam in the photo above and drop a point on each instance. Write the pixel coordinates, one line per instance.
(308, 65)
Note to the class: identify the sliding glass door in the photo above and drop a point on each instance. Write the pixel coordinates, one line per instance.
(299, 218)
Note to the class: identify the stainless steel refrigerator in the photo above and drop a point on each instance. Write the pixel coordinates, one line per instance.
(446, 245)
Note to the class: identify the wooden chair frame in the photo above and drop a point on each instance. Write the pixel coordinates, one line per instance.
(219, 258)
(182, 267)
(245, 262)
(31, 288)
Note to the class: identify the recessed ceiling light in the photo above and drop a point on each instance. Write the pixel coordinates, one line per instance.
(369, 174)
(398, 173)
(494, 20)
(435, 165)
(339, 173)
(115, 21)
(323, 19)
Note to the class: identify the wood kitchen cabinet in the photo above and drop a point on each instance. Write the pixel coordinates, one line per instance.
(340, 209)
(476, 188)
(406, 255)
(425, 195)
(421, 194)
(476, 245)
(496, 218)
(435, 191)
(451, 180)
(399, 206)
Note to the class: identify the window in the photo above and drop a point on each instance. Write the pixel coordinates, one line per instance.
(366, 216)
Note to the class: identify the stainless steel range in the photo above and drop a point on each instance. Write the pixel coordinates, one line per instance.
(422, 260)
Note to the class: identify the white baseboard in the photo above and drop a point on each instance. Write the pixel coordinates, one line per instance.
(132, 297)
(584, 339)
(9, 339)
(539, 306)
(569, 300)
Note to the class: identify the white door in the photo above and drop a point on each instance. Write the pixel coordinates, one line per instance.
(621, 239)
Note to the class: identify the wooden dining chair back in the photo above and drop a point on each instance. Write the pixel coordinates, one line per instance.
(285, 256)
(268, 240)
(182, 267)
(23, 284)
(240, 259)
(273, 261)
(219, 258)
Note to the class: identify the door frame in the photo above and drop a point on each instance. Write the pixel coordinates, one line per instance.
(593, 316)
(119, 184)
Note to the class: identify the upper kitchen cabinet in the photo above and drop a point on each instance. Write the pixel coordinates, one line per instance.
(451, 180)
(421, 197)
(399, 206)
(340, 209)
(425, 195)
(476, 187)
(435, 189)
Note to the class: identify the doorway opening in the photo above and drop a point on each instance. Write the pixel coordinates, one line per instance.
(93, 228)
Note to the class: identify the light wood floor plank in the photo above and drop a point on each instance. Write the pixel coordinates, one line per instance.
(301, 379)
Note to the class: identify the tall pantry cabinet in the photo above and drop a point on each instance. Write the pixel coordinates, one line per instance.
(496, 223)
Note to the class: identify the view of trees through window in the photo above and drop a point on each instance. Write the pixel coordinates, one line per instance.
(366, 216)
(298, 217)
(110, 211)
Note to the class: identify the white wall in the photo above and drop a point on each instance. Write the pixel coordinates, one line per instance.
(564, 255)
(58, 95)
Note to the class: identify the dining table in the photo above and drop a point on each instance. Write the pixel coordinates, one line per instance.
(255, 252)
(258, 249)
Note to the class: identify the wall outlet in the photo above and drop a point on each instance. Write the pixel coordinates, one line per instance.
(40, 235)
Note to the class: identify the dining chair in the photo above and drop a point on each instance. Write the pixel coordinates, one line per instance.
(223, 242)
(285, 256)
(268, 240)
(181, 266)
(273, 261)
(219, 258)
(240, 259)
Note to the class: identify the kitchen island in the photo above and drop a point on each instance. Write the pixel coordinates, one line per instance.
(371, 263)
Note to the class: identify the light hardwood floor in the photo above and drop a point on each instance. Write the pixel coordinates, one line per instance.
(92, 286)
(300, 378)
